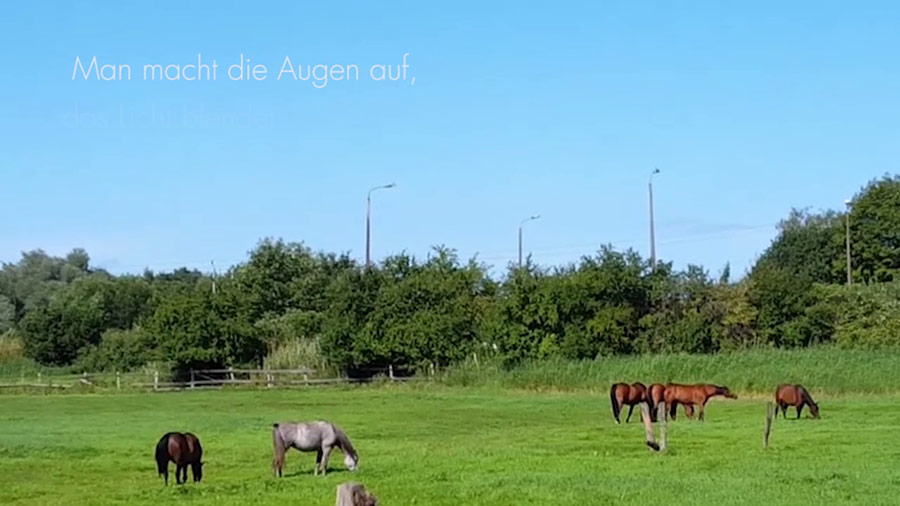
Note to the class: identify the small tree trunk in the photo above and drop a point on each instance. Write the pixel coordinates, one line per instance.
(354, 494)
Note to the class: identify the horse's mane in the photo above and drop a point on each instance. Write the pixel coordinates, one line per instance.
(805, 395)
(344, 443)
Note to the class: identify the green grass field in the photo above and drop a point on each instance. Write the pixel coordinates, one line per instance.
(436, 445)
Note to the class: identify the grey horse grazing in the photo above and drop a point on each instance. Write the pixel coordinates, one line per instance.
(318, 436)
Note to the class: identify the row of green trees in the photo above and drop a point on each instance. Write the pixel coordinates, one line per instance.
(441, 310)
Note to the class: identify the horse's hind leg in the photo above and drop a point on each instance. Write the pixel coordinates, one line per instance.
(630, 409)
(799, 409)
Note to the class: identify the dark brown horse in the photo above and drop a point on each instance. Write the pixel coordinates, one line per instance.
(182, 449)
(794, 395)
(655, 395)
(621, 394)
(689, 395)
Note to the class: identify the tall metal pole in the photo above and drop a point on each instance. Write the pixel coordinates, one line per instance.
(652, 236)
(849, 272)
(520, 234)
(369, 220)
(368, 227)
(520, 245)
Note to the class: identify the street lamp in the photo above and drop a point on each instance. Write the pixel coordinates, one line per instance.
(536, 216)
(652, 237)
(849, 273)
(369, 219)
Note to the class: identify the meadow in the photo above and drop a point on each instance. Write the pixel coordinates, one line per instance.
(445, 445)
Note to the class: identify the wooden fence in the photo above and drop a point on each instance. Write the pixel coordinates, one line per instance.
(200, 378)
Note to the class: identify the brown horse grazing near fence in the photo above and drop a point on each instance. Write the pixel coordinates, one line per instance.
(182, 449)
(655, 395)
(689, 395)
(621, 394)
(794, 395)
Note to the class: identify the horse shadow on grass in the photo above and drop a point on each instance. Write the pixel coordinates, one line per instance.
(301, 472)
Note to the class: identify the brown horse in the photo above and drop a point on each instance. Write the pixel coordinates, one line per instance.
(182, 449)
(689, 395)
(621, 394)
(655, 395)
(794, 395)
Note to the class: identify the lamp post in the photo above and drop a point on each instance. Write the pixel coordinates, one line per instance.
(520, 234)
(369, 219)
(847, 219)
(652, 237)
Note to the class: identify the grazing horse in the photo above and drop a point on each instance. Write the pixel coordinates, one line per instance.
(621, 394)
(182, 449)
(655, 395)
(318, 436)
(688, 395)
(794, 395)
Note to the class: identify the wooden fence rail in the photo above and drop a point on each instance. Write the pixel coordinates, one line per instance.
(199, 378)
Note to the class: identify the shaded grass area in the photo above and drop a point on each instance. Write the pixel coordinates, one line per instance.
(445, 446)
(823, 370)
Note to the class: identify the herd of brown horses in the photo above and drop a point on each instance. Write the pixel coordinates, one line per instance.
(673, 394)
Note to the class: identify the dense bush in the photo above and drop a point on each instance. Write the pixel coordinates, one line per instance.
(301, 307)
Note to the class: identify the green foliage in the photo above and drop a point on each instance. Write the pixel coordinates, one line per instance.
(875, 231)
(199, 329)
(406, 313)
(858, 316)
(78, 314)
(119, 350)
(291, 305)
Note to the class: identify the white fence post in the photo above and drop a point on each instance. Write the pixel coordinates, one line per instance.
(118, 381)
(192, 379)
(391, 371)
(155, 380)
(231, 373)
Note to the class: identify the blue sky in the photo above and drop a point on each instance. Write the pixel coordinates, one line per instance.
(560, 109)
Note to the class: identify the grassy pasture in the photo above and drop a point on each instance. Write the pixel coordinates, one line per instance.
(436, 445)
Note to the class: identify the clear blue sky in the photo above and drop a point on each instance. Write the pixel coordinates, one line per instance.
(561, 109)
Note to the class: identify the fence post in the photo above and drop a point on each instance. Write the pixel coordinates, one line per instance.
(663, 428)
(648, 426)
(231, 373)
(475, 357)
(391, 371)
(118, 381)
(192, 379)
(39, 378)
(269, 380)
(431, 369)
(155, 380)
(770, 416)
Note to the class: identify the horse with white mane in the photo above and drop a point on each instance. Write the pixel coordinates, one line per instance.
(317, 436)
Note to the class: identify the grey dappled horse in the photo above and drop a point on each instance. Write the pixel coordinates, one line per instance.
(318, 436)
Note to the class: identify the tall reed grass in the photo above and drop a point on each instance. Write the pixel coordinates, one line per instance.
(823, 370)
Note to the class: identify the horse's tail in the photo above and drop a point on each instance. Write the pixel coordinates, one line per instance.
(615, 404)
(344, 442)
(162, 455)
(279, 449)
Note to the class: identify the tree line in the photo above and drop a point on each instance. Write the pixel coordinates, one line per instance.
(441, 310)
